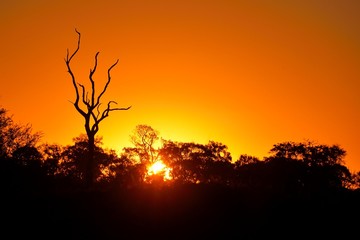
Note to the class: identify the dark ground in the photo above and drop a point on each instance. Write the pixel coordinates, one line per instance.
(181, 212)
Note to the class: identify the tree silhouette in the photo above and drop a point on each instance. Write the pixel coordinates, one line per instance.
(90, 108)
(52, 156)
(197, 163)
(74, 165)
(144, 137)
(322, 165)
(14, 136)
(245, 159)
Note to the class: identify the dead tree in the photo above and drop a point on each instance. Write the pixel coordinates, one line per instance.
(88, 105)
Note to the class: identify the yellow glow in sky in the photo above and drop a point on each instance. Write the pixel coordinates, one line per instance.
(249, 74)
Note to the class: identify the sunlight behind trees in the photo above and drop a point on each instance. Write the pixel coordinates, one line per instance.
(234, 87)
(160, 169)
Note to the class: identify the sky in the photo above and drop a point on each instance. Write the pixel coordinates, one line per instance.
(248, 74)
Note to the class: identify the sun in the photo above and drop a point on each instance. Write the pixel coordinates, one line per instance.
(159, 169)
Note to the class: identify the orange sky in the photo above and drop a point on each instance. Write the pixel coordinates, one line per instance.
(248, 75)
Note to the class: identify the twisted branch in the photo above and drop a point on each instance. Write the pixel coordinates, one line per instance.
(91, 104)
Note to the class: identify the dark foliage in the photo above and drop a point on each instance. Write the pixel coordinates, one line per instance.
(301, 191)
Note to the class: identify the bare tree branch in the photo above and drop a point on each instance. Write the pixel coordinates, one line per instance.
(107, 83)
(92, 71)
(68, 61)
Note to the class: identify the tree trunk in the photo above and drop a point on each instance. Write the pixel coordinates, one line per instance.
(90, 161)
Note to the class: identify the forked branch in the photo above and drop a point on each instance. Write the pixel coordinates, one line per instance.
(91, 106)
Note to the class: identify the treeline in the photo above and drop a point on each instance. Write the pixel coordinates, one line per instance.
(291, 166)
(300, 190)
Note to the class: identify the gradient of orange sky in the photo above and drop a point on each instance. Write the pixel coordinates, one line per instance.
(249, 74)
